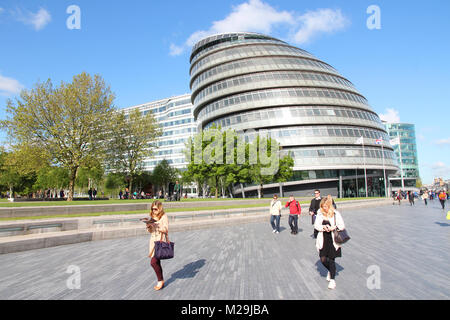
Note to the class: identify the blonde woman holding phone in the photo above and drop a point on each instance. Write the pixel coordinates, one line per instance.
(327, 220)
(159, 225)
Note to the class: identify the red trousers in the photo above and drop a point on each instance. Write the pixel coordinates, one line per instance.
(156, 265)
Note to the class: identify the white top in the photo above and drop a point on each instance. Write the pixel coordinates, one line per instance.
(275, 207)
(335, 220)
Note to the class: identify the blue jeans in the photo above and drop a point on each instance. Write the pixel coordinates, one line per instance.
(272, 220)
(293, 222)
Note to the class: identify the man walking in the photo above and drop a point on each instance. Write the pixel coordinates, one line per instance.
(313, 208)
(177, 191)
(442, 199)
(275, 214)
(294, 212)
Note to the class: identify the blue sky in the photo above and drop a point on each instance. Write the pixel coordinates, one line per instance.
(141, 48)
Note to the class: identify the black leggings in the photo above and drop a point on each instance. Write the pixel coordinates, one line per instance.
(330, 265)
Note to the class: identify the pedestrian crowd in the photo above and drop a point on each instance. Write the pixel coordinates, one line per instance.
(325, 220)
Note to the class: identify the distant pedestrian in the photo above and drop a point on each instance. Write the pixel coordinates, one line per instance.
(177, 191)
(94, 193)
(90, 193)
(411, 197)
(61, 193)
(120, 194)
(425, 197)
(157, 229)
(442, 199)
(275, 214)
(399, 197)
(294, 212)
(327, 220)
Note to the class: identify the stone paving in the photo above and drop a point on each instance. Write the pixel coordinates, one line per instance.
(408, 245)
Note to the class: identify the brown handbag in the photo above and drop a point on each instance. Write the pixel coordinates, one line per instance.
(340, 236)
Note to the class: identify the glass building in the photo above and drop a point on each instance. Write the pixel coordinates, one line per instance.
(246, 81)
(177, 122)
(406, 154)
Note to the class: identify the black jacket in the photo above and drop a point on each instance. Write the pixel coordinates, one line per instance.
(315, 205)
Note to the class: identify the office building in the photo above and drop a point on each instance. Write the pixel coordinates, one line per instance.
(246, 81)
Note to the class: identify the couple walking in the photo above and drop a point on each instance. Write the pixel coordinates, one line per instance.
(275, 214)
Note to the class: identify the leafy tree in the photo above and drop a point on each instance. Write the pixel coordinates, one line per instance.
(66, 124)
(114, 182)
(163, 174)
(55, 178)
(132, 140)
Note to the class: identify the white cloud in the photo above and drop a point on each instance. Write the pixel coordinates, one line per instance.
(1, 10)
(9, 86)
(441, 170)
(391, 116)
(320, 21)
(38, 20)
(257, 16)
(444, 141)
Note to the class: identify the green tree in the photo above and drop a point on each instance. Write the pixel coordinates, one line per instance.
(69, 124)
(55, 178)
(163, 174)
(132, 140)
(114, 182)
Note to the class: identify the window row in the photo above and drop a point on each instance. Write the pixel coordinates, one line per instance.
(168, 152)
(281, 93)
(197, 55)
(249, 51)
(170, 161)
(341, 152)
(327, 131)
(177, 122)
(295, 112)
(174, 114)
(171, 142)
(267, 76)
(175, 132)
(275, 63)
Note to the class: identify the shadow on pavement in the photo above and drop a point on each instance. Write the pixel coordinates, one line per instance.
(188, 271)
(323, 271)
(443, 224)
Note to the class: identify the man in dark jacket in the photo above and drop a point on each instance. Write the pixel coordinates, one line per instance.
(314, 207)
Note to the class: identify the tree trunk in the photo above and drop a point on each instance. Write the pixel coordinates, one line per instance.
(72, 177)
(242, 190)
(130, 187)
(259, 191)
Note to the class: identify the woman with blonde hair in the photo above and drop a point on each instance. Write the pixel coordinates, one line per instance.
(158, 228)
(327, 220)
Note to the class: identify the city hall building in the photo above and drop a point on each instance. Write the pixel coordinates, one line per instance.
(245, 81)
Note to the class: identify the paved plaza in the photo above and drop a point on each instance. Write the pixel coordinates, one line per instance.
(409, 246)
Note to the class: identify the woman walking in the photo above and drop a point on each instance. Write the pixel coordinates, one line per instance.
(425, 197)
(275, 213)
(411, 197)
(158, 229)
(327, 220)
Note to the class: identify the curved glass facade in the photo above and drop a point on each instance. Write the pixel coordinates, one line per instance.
(246, 81)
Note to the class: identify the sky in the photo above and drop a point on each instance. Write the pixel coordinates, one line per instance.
(395, 52)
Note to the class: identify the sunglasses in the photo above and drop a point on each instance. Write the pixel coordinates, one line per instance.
(154, 209)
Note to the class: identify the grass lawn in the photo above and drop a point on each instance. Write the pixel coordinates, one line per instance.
(168, 210)
(6, 203)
